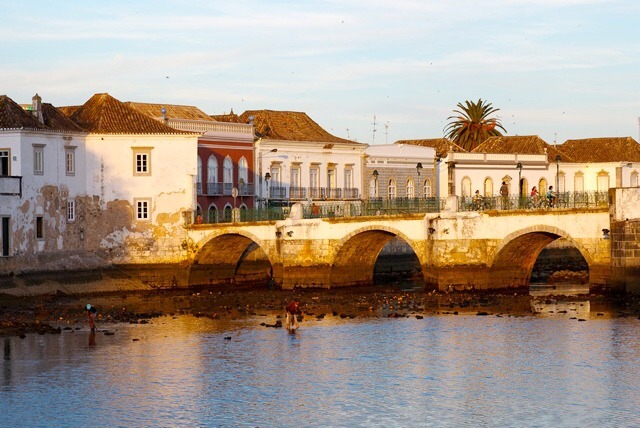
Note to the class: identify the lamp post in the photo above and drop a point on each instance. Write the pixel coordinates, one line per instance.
(519, 166)
(418, 169)
(241, 189)
(558, 159)
(375, 180)
(267, 177)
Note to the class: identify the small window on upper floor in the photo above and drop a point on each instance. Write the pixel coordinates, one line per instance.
(70, 161)
(38, 159)
(142, 160)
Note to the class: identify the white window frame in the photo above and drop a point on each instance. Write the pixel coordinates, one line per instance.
(212, 169)
(38, 159)
(348, 178)
(71, 210)
(243, 170)
(142, 209)
(142, 161)
(70, 161)
(411, 193)
(392, 189)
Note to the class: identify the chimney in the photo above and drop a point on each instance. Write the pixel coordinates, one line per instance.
(164, 115)
(36, 108)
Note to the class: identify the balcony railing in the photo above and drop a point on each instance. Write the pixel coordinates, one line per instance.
(227, 189)
(10, 185)
(351, 193)
(317, 192)
(277, 192)
(297, 192)
(214, 189)
(334, 193)
(246, 189)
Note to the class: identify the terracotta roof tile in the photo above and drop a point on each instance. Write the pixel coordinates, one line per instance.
(172, 111)
(55, 119)
(521, 144)
(12, 116)
(442, 145)
(106, 115)
(68, 110)
(611, 149)
(289, 126)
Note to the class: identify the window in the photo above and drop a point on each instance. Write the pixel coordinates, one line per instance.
(213, 214)
(4, 163)
(427, 191)
(243, 170)
(70, 161)
(199, 179)
(578, 182)
(410, 189)
(542, 186)
(392, 189)
(39, 227)
(71, 210)
(212, 170)
(295, 176)
(561, 180)
(227, 175)
(142, 207)
(4, 237)
(603, 181)
(348, 178)
(38, 159)
(634, 179)
(141, 160)
(488, 187)
(466, 186)
(314, 176)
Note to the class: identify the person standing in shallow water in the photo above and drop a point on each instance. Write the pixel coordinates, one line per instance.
(293, 309)
(91, 316)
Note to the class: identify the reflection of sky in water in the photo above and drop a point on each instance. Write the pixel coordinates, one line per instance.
(442, 370)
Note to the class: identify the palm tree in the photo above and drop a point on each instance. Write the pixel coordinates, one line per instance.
(472, 125)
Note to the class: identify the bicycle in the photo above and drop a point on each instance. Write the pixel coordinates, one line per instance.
(538, 203)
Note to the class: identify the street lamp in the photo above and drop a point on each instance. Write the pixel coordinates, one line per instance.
(241, 189)
(519, 166)
(418, 169)
(558, 159)
(267, 177)
(375, 178)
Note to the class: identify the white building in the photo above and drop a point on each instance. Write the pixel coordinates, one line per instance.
(300, 161)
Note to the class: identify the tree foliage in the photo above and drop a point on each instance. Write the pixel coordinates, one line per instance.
(472, 125)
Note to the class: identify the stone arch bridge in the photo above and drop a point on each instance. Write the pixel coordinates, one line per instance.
(480, 251)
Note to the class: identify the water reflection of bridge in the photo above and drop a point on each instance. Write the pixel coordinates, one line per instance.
(463, 250)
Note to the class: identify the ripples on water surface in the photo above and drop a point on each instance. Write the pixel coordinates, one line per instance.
(438, 371)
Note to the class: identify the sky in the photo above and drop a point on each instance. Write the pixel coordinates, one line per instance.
(373, 71)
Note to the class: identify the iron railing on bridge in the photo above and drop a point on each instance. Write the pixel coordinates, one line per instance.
(562, 200)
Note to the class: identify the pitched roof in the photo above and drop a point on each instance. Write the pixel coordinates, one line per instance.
(104, 114)
(68, 110)
(289, 126)
(57, 120)
(172, 111)
(12, 116)
(610, 149)
(521, 144)
(442, 145)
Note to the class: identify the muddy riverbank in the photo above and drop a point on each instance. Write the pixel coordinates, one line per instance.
(22, 315)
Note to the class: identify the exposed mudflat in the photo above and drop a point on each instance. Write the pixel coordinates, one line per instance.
(22, 315)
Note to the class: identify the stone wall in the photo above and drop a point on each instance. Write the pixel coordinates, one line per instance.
(625, 239)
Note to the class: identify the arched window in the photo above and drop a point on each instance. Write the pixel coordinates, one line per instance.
(426, 188)
(542, 186)
(603, 181)
(212, 214)
(634, 179)
(525, 188)
(578, 182)
(373, 187)
(212, 170)
(199, 180)
(410, 188)
(227, 176)
(488, 187)
(392, 189)
(243, 170)
(466, 186)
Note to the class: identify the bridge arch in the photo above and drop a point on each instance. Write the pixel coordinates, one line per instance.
(230, 257)
(515, 256)
(354, 261)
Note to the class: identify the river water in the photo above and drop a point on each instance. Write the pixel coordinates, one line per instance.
(545, 370)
